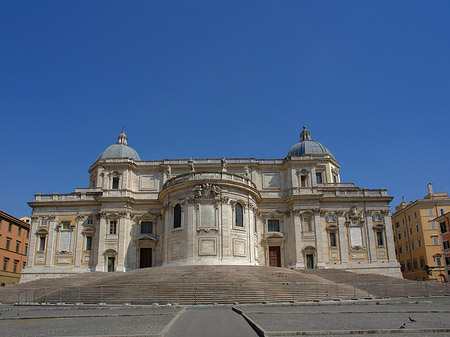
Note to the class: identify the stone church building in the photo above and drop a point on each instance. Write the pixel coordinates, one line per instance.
(291, 213)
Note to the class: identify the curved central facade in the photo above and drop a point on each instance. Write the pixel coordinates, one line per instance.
(292, 212)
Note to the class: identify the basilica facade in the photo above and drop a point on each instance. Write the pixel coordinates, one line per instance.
(292, 213)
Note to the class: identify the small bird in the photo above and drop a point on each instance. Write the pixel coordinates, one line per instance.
(412, 320)
(403, 326)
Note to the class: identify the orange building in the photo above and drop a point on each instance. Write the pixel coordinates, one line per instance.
(14, 235)
(418, 245)
(444, 227)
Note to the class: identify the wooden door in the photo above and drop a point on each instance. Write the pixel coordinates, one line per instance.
(146, 258)
(111, 264)
(309, 261)
(274, 256)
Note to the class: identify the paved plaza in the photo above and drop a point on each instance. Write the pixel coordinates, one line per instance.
(427, 316)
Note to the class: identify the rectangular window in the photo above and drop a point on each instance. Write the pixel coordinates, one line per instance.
(319, 177)
(432, 225)
(88, 242)
(446, 245)
(333, 241)
(115, 183)
(5, 263)
(397, 224)
(404, 234)
(410, 230)
(399, 236)
(438, 260)
(26, 249)
(447, 261)
(409, 218)
(430, 212)
(380, 239)
(303, 181)
(403, 221)
(412, 245)
(415, 265)
(417, 228)
(28, 233)
(435, 240)
(90, 221)
(19, 230)
(442, 211)
(443, 226)
(9, 227)
(400, 249)
(17, 246)
(406, 247)
(146, 227)
(112, 227)
(273, 225)
(408, 265)
(41, 243)
(402, 266)
(419, 242)
(8, 243)
(415, 215)
(422, 262)
(16, 262)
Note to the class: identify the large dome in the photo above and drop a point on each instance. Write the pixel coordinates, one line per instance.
(307, 146)
(120, 150)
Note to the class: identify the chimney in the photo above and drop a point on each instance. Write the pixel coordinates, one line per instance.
(430, 189)
(403, 200)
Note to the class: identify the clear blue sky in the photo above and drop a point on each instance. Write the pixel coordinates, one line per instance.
(370, 79)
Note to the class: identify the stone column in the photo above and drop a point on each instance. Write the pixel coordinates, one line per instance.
(371, 246)
(78, 248)
(297, 233)
(32, 241)
(321, 246)
(122, 244)
(101, 236)
(343, 239)
(390, 247)
(51, 241)
(166, 220)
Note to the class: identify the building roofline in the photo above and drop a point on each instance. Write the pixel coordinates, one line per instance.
(421, 201)
(14, 219)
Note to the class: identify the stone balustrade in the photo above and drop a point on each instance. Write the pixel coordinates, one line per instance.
(206, 176)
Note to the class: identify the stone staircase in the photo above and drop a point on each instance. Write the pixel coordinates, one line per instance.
(382, 286)
(214, 284)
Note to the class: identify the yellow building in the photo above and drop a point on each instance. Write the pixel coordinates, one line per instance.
(417, 236)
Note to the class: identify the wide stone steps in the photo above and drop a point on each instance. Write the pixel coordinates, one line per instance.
(192, 294)
(215, 284)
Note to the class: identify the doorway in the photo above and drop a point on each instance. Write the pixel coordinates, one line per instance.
(145, 258)
(111, 263)
(310, 261)
(274, 256)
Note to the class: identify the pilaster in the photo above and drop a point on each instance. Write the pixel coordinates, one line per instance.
(343, 239)
(101, 235)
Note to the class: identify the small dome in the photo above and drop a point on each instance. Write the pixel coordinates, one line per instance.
(120, 150)
(307, 146)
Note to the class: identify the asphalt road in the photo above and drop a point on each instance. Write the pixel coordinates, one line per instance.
(211, 322)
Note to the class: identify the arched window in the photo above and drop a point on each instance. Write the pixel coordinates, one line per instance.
(177, 216)
(238, 215)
